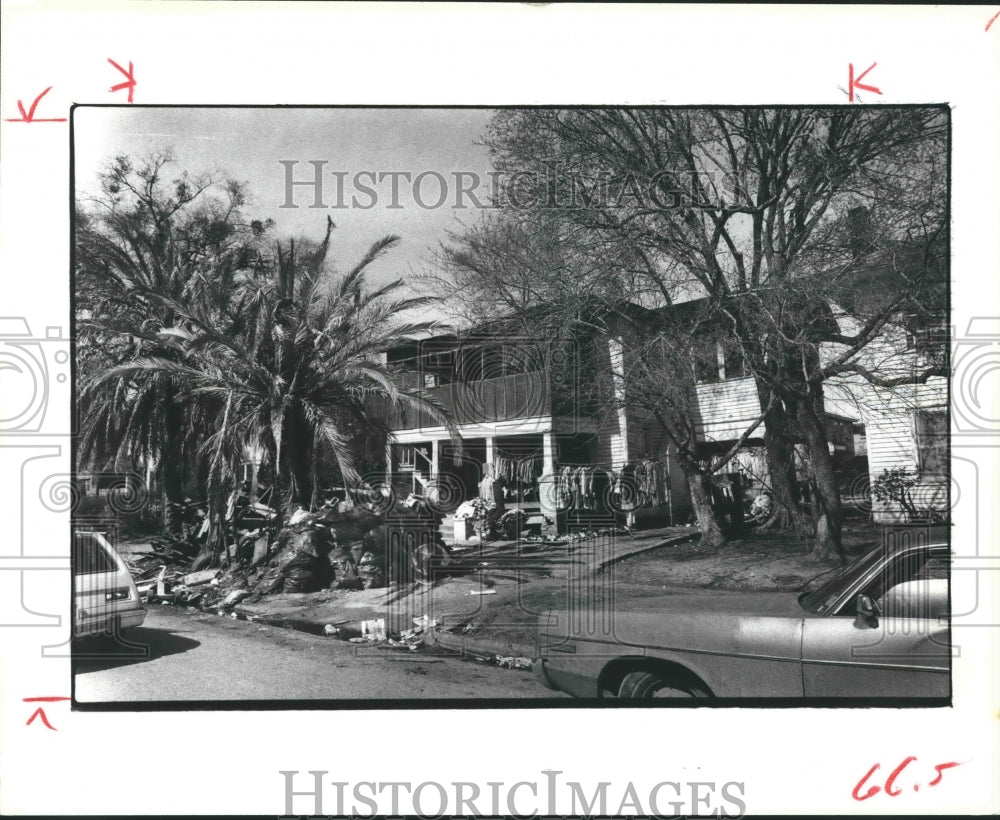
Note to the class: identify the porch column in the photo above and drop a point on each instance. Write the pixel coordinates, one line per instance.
(490, 450)
(388, 461)
(548, 454)
(434, 459)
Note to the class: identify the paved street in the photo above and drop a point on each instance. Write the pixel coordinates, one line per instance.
(196, 656)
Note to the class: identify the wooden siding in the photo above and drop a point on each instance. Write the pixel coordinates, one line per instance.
(889, 414)
(726, 409)
(506, 398)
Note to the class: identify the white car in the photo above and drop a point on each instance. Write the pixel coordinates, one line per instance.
(105, 600)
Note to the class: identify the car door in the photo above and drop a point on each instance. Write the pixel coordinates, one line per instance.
(903, 651)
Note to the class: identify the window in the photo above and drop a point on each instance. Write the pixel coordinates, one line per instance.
(732, 355)
(931, 427)
(707, 356)
(90, 557)
(917, 589)
(929, 337)
(716, 361)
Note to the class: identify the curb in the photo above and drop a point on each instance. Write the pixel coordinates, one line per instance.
(438, 637)
(473, 646)
(670, 542)
(484, 647)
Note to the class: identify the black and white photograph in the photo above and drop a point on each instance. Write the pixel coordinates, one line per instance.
(381, 407)
(499, 409)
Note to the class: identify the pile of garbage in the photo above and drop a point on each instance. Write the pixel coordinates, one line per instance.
(322, 550)
(491, 521)
(340, 546)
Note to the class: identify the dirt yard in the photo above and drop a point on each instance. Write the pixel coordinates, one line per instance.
(764, 561)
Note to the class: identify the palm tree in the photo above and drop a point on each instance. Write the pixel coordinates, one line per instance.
(141, 242)
(298, 374)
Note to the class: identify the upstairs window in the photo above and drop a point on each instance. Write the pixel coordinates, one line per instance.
(716, 361)
(708, 363)
(732, 360)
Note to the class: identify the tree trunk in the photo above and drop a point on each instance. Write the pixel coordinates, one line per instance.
(788, 515)
(826, 503)
(173, 474)
(281, 498)
(701, 500)
(297, 457)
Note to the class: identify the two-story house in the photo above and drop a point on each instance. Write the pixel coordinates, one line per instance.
(539, 413)
(544, 412)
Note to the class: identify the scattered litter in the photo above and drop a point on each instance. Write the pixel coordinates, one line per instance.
(161, 584)
(512, 662)
(483, 592)
(205, 576)
(235, 597)
(373, 630)
(330, 630)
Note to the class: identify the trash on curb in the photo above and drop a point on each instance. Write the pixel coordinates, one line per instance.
(373, 631)
(510, 662)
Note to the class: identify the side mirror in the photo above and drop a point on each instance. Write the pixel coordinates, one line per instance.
(868, 613)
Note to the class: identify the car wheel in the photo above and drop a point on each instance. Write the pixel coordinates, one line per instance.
(643, 685)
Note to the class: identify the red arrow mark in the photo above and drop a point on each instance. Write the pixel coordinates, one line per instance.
(129, 83)
(40, 712)
(990, 23)
(29, 115)
(855, 82)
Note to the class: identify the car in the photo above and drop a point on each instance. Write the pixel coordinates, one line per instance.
(105, 600)
(879, 628)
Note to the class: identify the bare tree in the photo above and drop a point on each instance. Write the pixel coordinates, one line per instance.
(752, 209)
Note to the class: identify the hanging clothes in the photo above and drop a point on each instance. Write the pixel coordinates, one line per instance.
(524, 470)
(642, 484)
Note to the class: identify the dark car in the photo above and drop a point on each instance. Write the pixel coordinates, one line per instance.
(879, 628)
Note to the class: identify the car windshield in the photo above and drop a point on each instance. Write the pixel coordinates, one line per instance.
(821, 599)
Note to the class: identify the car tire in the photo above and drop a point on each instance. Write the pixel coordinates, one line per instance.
(647, 685)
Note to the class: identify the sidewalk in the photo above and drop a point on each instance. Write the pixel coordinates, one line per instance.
(488, 578)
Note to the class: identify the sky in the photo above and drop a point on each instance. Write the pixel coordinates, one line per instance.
(250, 145)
